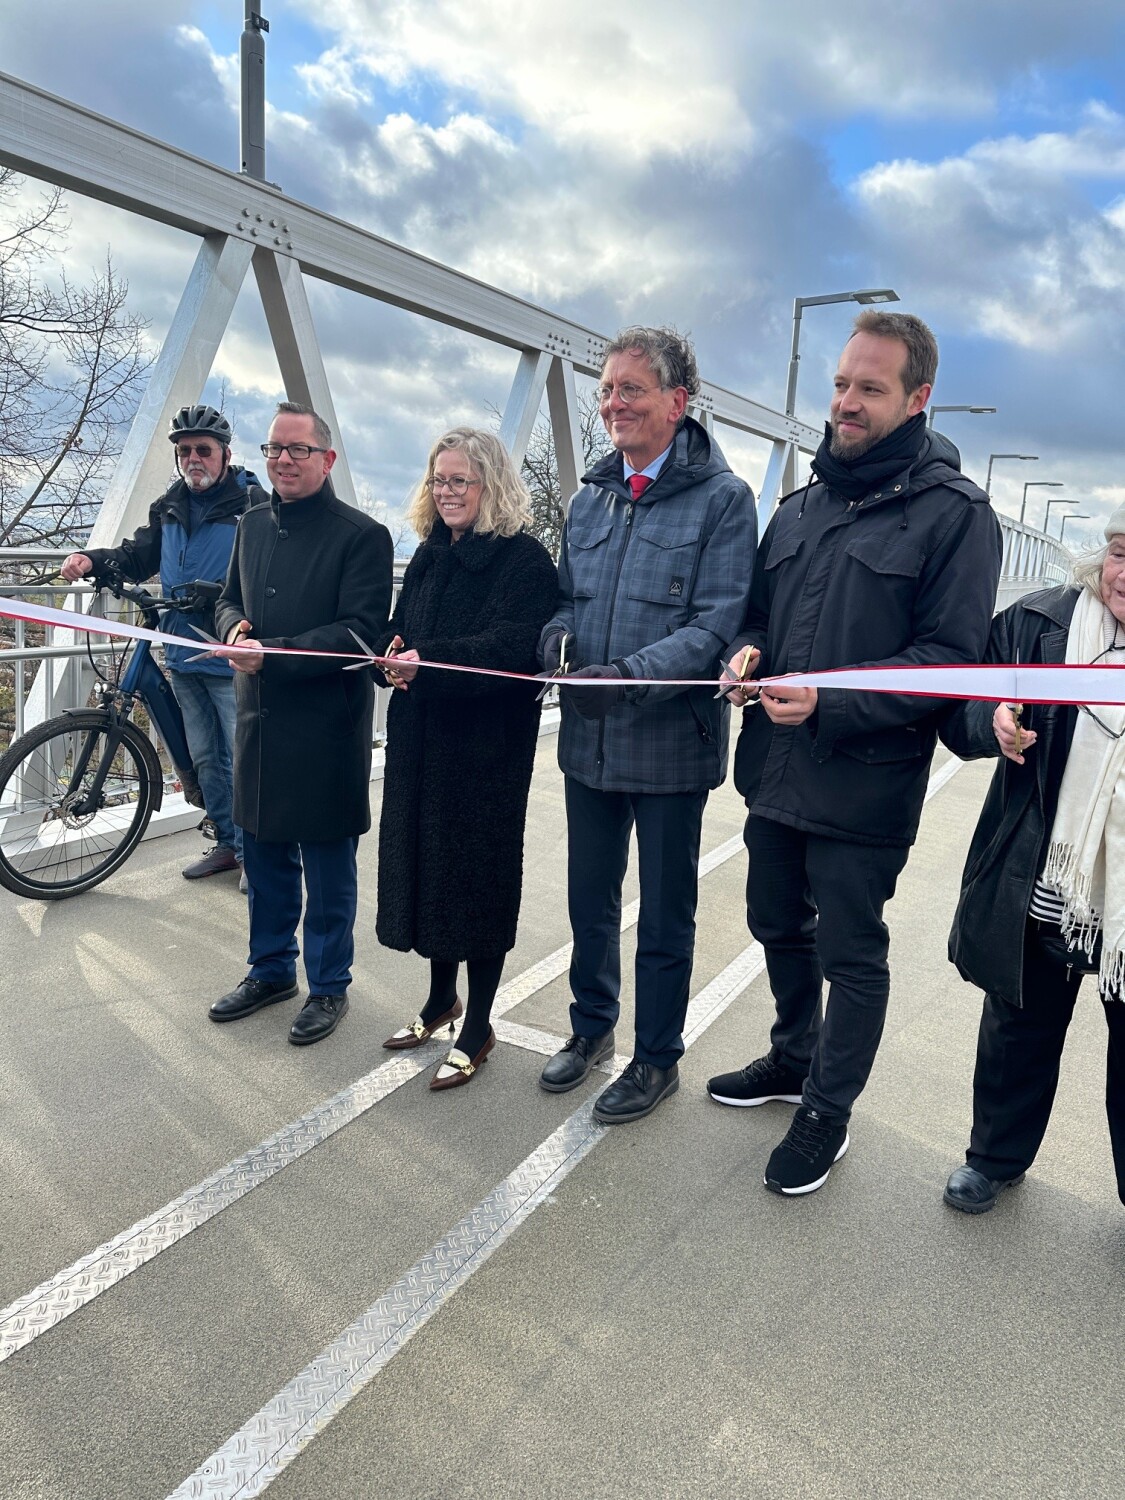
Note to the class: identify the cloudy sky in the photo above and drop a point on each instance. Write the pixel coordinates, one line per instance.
(659, 163)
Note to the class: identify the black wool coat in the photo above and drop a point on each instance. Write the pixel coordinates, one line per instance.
(460, 748)
(1009, 847)
(305, 573)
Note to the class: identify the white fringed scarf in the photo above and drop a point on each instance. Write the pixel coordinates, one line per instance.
(1086, 855)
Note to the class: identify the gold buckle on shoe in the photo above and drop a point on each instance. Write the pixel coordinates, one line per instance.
(419, 1028)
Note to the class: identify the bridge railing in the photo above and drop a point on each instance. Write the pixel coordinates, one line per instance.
(27, 573)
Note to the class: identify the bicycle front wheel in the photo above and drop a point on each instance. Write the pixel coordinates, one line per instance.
(58, 835)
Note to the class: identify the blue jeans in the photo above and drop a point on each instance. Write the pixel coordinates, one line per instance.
(207, 703)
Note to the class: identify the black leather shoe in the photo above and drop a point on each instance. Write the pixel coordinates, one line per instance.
(636, 1093)
(974, 1193)
(251, 995)
(567, 1069)
(319, 1017)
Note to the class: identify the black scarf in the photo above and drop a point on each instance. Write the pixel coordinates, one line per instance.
(854, 478)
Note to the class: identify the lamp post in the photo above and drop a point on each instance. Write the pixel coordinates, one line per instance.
(977, 411)
(866, 296)
(992, 457)
(1079, 516)
(1032, 484)
(1055, 500)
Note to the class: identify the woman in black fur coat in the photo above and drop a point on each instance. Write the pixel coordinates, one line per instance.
(460, 747)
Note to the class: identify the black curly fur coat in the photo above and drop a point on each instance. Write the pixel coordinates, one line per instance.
(460, 748)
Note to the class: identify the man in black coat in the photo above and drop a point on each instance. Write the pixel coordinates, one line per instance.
(306, 571)
(890, 559)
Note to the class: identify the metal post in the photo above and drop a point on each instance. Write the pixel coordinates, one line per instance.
(776, 482)
(562, 404)
(144, 468)
(252, 54)
(523, 403)
(286, 304)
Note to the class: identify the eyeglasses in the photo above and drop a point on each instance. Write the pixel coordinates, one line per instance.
(185, 450)
(298, 452)
(626, 393)
(458, 485)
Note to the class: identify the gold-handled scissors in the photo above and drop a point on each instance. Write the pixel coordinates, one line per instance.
(750, 659)
(1017, 714)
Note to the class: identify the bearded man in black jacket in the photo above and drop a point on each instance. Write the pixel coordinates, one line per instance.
(307, 570)
(890, 558)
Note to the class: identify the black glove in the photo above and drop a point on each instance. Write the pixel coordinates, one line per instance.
(595, 702)
(553, 648)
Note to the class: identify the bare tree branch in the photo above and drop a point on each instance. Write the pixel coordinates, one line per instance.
(72, 358)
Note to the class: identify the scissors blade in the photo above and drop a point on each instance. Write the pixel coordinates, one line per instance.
(360, 666)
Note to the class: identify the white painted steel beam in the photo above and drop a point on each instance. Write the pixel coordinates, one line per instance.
(562, 403)
(145, 466)
(52, 139)
(289, 316)
(523, 403)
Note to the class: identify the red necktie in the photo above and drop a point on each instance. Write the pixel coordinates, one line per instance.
(638, 483)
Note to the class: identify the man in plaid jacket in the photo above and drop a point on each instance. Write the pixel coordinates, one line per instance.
(657, 556)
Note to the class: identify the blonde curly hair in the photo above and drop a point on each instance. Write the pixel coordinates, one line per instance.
(505, 505)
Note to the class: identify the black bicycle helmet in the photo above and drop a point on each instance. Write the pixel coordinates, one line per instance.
(194, 420)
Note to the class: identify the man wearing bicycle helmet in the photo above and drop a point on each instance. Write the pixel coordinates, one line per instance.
(188, 540)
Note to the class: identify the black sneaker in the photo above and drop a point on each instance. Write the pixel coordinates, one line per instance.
(216, 861)
(811, 1148)
(758, 1082)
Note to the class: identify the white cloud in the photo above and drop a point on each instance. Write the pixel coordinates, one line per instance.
(1004, 237)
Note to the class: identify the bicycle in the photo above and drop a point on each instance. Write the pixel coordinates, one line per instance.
(77, 792)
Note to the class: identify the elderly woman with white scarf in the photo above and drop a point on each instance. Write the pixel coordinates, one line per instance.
(1043, 892)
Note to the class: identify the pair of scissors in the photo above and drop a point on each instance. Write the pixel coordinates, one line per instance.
(749, 660)
(560, 671)
(1017, 714)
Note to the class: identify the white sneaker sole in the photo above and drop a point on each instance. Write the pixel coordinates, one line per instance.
(810, 1187)
(753, 1103)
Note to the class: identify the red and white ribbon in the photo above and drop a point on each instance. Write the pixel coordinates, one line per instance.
(1034, 683)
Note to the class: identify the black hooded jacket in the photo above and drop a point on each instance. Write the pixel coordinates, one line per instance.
(904, 575)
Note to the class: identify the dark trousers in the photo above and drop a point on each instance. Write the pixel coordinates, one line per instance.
(668, 831)
(816, 906)
(1019, 1048)
(273, 874)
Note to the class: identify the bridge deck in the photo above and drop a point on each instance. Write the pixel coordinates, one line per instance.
(652, 1322)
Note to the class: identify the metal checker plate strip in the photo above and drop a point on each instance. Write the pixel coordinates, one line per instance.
(254, 1456)
(250, 1460)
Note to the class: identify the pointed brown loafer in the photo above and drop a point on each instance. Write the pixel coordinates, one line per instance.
(458, 1069)
(418, 1032)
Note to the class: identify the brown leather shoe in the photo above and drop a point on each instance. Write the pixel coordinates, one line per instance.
(458, 1069)
(418, 1032)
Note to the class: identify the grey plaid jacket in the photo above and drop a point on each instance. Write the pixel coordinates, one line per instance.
(660, 584)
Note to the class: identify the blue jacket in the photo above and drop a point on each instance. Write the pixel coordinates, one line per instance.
(168, 545)
(658, 584)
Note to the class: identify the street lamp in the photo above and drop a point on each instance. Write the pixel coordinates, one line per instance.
(1050, 484)
(1055, 500)
(1080, 516)
(977, 411)
(1027, 457)
(866, 296)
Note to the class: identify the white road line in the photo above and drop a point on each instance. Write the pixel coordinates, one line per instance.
(47, 1305)
(250, 1460)
(269, 1442)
